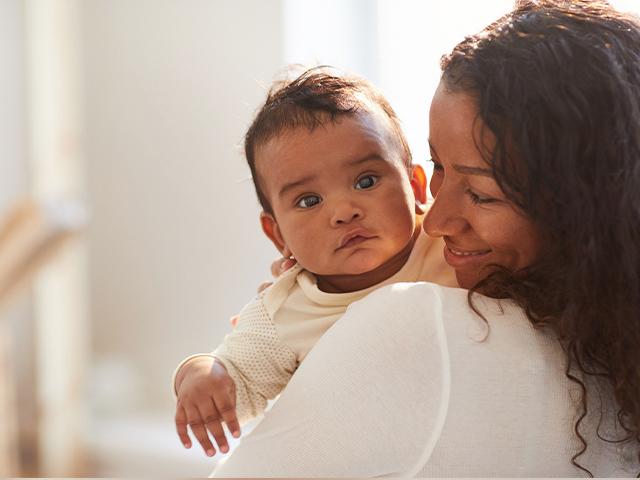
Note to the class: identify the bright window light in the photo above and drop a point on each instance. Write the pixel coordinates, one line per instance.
(397, 44)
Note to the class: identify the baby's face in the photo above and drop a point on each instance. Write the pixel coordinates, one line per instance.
(342, 197)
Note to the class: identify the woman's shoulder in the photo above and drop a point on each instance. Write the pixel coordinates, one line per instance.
(476, 331)
(423, 297)
(401, 291)
(415, 293)
(456, 304)
(400, 309)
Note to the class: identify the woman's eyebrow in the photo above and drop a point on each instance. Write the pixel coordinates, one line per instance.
(465, 169)
(485, 172)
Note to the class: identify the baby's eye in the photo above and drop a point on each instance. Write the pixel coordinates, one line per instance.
(366, 182)
(308, 201)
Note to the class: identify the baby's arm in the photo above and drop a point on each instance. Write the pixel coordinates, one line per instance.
(251, 366)
(259, 363)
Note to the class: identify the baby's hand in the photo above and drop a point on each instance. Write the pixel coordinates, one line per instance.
(206, 398)
(278, 267)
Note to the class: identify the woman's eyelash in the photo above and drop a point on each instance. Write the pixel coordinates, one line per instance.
(477, 199)
(436, 165)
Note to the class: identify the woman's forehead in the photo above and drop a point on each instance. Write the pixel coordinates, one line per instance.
(456, 130)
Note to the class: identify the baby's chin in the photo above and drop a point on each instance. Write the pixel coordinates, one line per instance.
(351, 267)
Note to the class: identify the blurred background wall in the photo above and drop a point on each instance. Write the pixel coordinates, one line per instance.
(137, 109)
(13, 179)
(175, 245)
(15, 320)
(174, 230)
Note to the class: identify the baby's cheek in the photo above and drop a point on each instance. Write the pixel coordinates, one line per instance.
(306, 249)
(402, 218)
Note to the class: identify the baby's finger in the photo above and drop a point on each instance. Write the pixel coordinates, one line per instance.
(264, 286)
(197, 428)
(276, 267)
(212, 420)
(234, 320)
(226, 405)
(181, 427)
(281, 265)
(287, 264)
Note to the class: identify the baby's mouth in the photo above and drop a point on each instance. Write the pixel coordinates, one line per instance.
(354, 241)
(354, 238)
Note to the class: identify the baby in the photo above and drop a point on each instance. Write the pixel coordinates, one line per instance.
(340, 195)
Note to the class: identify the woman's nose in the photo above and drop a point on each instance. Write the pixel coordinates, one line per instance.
(445, 218)
(345, 213)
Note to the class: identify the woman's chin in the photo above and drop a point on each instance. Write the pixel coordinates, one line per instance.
(466, 278)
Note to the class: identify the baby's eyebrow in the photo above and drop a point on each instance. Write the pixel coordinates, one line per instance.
(367, 158)
(297, 183)
(309, 178)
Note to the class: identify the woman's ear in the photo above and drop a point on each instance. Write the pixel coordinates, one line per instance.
(419, 185)
(272, 231)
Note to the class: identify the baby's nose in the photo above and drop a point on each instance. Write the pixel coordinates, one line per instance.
(346, 213)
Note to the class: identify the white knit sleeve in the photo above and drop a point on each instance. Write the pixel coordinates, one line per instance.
(256, 359)
(370, 399)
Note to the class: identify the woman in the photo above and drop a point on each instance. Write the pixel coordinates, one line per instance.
(533, 368)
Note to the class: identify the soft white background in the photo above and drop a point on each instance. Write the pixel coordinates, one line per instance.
(167, 89)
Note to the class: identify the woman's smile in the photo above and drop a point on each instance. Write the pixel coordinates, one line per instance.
(458, 258)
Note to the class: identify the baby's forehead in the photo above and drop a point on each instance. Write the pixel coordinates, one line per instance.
(337, 147)
(370, 125)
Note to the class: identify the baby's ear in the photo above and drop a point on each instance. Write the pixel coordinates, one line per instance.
(271, 230)
(419, 185)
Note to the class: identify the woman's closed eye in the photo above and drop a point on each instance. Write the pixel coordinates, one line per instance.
(366, 181)
(479, 199)
(475, 197)
(308, 201)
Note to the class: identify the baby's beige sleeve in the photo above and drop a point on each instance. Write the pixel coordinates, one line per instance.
(256, 359)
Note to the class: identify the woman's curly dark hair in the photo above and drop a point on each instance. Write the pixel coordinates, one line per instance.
(558, 84)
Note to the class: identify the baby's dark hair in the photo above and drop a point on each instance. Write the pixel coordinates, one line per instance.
(315, 97)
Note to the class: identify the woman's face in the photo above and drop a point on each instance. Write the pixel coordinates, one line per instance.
(471, 213)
